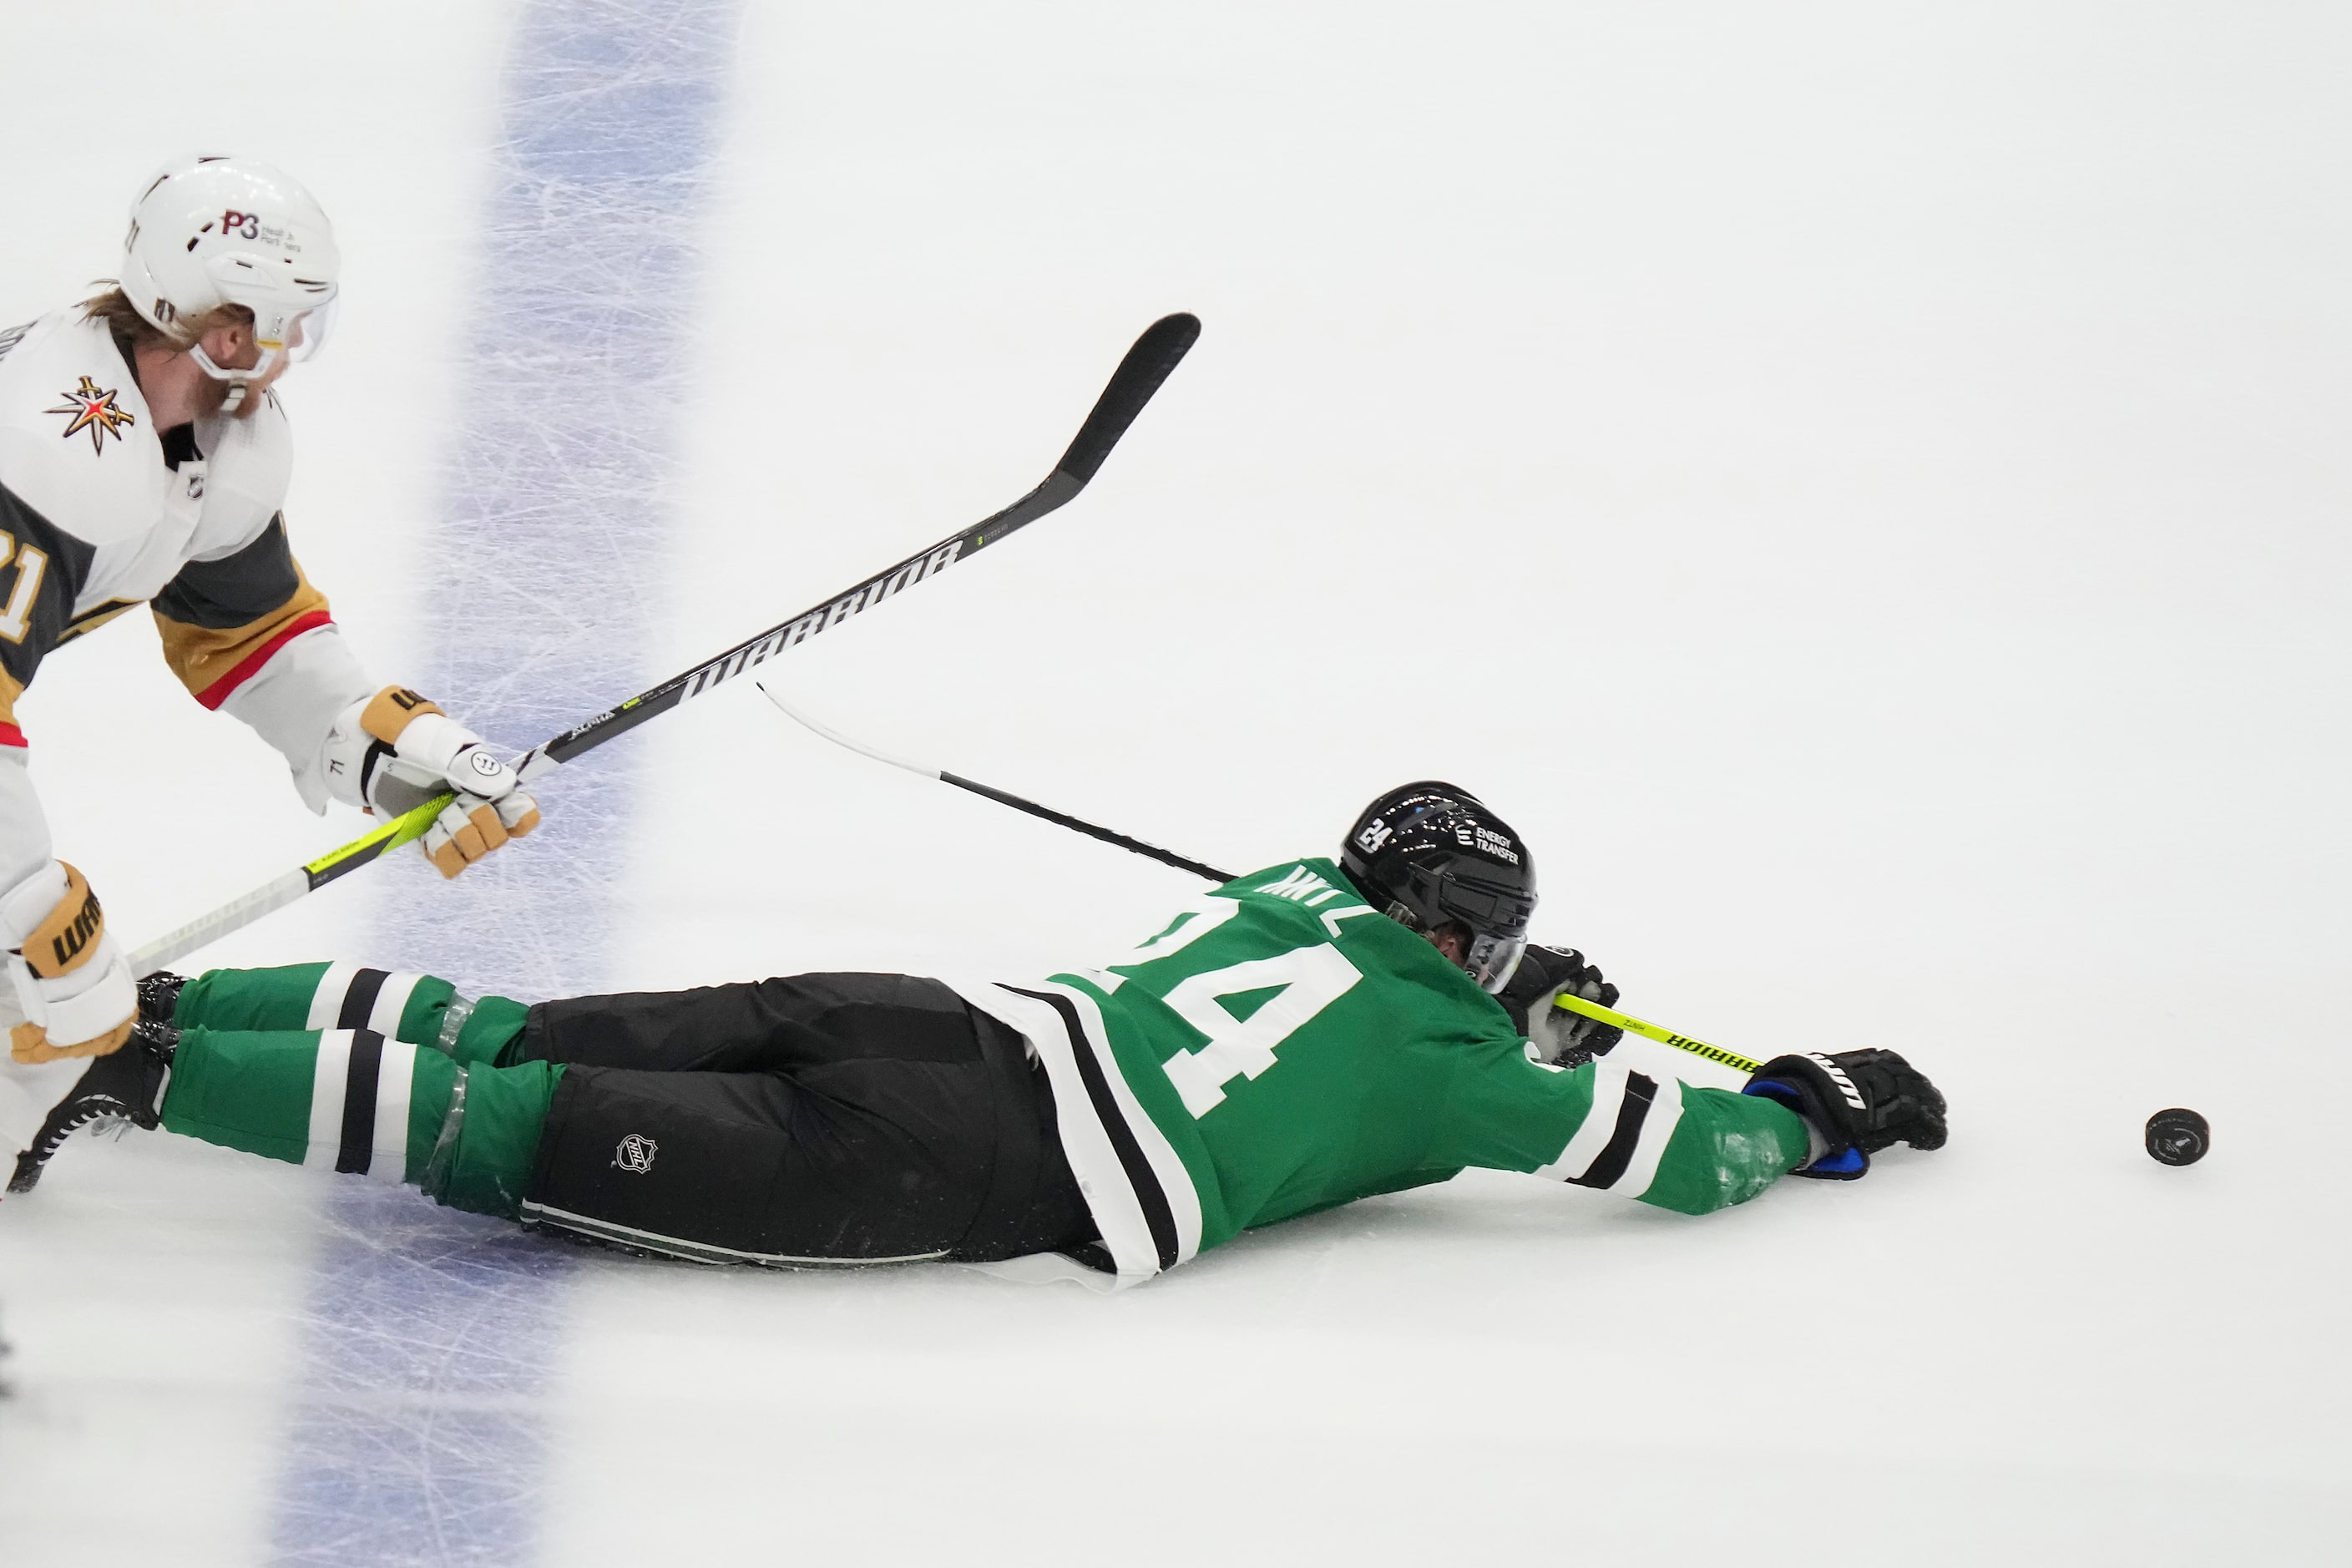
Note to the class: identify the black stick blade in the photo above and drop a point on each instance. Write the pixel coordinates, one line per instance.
(1158, 351)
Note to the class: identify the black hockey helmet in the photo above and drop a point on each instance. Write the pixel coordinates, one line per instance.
(1428, 853)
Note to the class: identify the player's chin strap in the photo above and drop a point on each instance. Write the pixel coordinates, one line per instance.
(240, 382)
(1731, 1059)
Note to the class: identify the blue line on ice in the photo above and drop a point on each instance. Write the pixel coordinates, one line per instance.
(418, 1433)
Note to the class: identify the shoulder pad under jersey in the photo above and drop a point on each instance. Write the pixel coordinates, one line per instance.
(247, 463)
(77, 443)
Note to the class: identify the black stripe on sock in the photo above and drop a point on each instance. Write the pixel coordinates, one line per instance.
(359, 999)
(1158, 1214)
(1631, 1111)
(359, 1101)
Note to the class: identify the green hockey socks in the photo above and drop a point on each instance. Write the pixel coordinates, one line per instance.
(297, 1064)
(420, 1008)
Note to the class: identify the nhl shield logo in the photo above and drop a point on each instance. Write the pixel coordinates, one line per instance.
(635, 1154)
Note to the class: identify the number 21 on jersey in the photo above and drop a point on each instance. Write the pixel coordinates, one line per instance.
(32, 565)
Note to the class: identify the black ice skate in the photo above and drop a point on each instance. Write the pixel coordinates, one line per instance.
(159, 996)
(124, 1087)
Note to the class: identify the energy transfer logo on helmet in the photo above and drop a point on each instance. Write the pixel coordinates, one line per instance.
(208, 232)
(1434, 855)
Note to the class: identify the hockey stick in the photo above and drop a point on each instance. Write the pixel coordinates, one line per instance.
(1594, 1010)
(1650, 1031)
(1149, 364)
(1002, 797)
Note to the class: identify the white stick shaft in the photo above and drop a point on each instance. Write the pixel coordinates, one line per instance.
(166, 951)
(837, 738)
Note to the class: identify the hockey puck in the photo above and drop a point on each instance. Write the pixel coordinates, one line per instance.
(2177, 1137)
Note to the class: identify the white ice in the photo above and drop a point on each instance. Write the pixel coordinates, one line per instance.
(1861, 488)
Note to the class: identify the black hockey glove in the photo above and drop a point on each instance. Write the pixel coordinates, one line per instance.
(1858, 1101)
(1563, 1038)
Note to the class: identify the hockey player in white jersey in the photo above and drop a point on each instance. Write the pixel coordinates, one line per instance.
(144, 459)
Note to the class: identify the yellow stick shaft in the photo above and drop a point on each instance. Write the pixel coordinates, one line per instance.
(1650, 1031)
(405, 829)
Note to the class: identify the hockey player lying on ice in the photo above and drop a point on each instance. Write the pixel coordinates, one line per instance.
(1299, 1038)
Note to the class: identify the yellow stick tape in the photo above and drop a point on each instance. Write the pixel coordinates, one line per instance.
(405, 829)
(1650, 1031)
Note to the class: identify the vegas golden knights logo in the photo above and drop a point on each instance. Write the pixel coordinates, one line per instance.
(94, 411)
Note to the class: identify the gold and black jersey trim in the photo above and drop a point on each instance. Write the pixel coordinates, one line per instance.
(92, 619)
(222, 620)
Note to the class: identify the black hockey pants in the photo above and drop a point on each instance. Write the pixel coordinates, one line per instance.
(819, 1118)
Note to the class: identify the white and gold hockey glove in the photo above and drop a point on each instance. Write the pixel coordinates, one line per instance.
(394, 752)
(71, 978)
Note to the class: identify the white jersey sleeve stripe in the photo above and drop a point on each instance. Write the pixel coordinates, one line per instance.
(1657, 1130)
(1600, 1125)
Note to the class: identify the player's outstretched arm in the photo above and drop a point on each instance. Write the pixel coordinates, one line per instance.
(249, 635)
(1839, 1110)
(1618, 1129)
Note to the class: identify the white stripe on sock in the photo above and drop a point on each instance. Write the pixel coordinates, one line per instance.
(389, 1162)
(1598, 1126)
(327, 1085)
(390, 1003)
(327, 1001)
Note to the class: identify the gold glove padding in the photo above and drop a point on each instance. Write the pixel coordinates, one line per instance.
(65, 946)
(69, 938)
(388, 712)
(30, 1043)
(469, 827)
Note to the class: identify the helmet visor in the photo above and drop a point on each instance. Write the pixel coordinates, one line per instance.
(307, 333)
(1497, 915)
(1492, 960)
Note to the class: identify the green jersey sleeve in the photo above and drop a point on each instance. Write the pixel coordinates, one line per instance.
(1616, 1128)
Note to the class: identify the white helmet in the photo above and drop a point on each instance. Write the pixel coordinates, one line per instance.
(208, 232)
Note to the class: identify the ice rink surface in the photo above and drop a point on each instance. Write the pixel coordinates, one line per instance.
(1862, 488)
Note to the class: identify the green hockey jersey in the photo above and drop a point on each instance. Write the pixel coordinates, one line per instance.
(1281, 1046)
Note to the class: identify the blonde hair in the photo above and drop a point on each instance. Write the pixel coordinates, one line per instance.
(113, 307)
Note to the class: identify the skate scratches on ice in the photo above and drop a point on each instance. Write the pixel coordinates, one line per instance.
(417, 1435)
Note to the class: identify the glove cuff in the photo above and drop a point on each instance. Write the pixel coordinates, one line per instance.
(1832, 1105)
(391, 711)
(98, 997)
